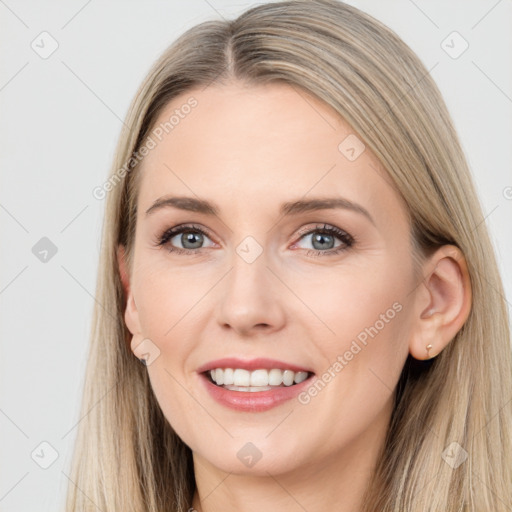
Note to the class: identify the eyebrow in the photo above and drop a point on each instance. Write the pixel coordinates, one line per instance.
(192, 204)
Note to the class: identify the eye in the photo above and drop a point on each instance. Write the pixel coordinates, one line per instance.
(190, 237)
(324, 238)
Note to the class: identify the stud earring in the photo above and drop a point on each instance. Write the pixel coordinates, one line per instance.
(428, 347)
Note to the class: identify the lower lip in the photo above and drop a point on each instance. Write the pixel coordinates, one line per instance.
(253, 401)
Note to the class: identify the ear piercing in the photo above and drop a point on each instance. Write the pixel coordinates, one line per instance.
(429, 313)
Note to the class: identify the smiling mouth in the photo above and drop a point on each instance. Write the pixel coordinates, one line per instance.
(238, 379)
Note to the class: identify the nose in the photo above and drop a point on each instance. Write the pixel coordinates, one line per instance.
(251, 298)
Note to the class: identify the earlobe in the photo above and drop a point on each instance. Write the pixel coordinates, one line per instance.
(443, 303)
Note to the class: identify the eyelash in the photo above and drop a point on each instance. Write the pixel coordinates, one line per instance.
(347, 239)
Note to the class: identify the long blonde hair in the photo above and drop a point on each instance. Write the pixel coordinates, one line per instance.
(128, 458)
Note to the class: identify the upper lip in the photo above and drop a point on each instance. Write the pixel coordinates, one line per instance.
(251, 364)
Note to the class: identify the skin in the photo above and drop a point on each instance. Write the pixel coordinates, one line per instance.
(248, 149)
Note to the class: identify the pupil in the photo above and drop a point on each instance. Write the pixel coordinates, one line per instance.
(189, 237)
(321, 238)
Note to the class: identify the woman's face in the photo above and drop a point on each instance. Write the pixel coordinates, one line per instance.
(272, 274)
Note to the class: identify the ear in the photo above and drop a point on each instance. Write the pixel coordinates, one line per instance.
(131, 315)
(443, 302)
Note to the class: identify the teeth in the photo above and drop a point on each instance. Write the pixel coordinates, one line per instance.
(259, 378)
(250, 388)
(239, 379)
(275, 377)
(228, 376)
(288, 376)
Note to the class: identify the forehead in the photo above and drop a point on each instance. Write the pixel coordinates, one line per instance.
(256, 146)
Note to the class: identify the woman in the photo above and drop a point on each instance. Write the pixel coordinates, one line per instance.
(335, 336)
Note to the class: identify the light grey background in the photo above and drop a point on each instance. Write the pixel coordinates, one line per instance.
(60, 120)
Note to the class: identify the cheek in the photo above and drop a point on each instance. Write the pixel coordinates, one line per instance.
(171, 391)
(364, 308)
(168, 299)
(364, 357)
(355, 298)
